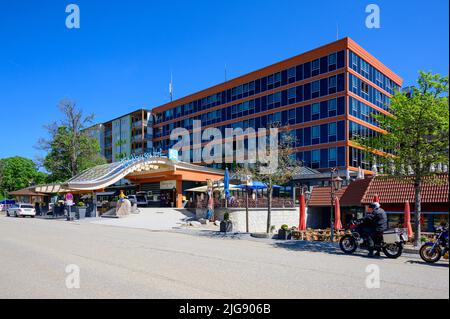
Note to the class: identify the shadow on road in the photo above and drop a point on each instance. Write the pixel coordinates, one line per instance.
(421, 262)
(321, 247)
(217, 234)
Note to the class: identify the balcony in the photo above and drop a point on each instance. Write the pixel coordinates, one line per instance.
(139, 124)
(137, 138)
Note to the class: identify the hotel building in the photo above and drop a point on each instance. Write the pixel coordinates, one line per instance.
(323, 98)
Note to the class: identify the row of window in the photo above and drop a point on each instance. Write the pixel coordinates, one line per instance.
(294, 95)
(301, 114)
(368, 92)
(369, 72)
(298, 73)
(357, 131)
(312, 135)
(360, 158)
(323, 158)
(363, 111)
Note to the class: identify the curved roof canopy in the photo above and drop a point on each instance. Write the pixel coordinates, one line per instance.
(102, 176)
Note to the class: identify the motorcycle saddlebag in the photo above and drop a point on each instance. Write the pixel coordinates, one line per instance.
(391, 236)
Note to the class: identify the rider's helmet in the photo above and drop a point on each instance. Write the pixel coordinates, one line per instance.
(374, 205)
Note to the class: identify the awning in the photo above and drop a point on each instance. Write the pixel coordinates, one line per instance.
(105, 194)
(29, 191)
(204, 189)
(52, 189)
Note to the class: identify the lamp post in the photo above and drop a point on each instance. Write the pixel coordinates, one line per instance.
(335, 185)
(245, 180)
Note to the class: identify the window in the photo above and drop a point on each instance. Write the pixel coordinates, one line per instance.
(354, 61)
(354, 106)
(332, 129)
(379, 97)
(292, 93)
(364, 87)
(332, 59)
(315, 65)
(364, 68)
(315, 159)
(315, 132)
(291, 73)
(378, 77)
(332, 82)
(292, 116)
(277, 77)
(315, 87)
(277, 97)
(332, 154)
(315, 109)
(315, 156)
(355, 82)
(332, 105)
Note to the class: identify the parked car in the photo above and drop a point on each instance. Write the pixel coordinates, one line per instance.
(142, 199)
(21, 210)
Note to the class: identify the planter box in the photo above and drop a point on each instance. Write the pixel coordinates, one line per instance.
(226, 227)
(284, 234)
(81, 212)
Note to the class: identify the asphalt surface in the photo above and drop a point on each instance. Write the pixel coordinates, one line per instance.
(116, 262)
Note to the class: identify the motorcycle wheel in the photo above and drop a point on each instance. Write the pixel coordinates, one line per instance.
(428, 256)
(348, 244)
(393, 251)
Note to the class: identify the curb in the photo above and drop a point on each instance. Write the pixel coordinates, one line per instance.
(411, 251)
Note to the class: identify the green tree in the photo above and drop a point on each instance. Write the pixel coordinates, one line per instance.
(121, 155)
(418, 135)
(280, 170)
(70, 149)
(17, 173)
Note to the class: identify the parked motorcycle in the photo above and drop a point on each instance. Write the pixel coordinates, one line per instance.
(391, 245)
(432, 252)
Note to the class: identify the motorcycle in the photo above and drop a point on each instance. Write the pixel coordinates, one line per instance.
(392, 243)
(432, 252)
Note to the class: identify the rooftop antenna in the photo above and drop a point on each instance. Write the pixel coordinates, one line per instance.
(171, 87)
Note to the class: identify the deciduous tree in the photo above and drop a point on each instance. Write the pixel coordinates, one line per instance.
(417, 138)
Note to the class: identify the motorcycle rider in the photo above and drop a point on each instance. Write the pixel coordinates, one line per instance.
(374, 224)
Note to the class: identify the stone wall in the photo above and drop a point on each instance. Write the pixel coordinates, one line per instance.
(258, 218)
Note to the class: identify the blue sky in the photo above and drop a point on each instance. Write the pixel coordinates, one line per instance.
(121, 57)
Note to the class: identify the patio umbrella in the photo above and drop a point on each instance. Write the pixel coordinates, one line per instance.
(337, 214)
(408, 219)
(255, 185)
(226, 184)
(302, 225)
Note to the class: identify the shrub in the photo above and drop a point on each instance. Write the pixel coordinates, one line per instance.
(81, 204)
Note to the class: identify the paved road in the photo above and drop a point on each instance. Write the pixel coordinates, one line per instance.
(119, 262)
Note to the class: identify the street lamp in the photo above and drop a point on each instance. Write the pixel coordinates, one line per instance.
(335, 185)
(246, 181)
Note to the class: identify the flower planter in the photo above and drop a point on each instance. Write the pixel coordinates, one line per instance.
(81, 212)
(226, 227)
(284, 234)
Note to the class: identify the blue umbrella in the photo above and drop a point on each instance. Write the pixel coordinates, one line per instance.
(255, 185)
(226, 183)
